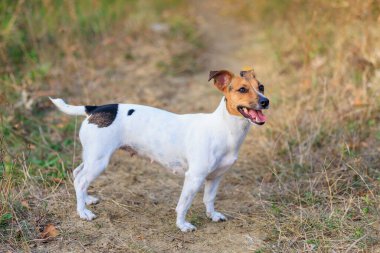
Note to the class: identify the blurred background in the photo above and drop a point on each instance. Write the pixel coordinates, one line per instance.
(308, 180)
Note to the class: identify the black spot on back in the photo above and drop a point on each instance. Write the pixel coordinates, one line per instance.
(90, 108)
(130, 112)
(102, 115)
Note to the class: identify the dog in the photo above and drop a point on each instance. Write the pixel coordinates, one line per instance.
(202, 147)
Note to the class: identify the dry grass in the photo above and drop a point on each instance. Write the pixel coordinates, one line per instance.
(308, 181)
(323, 134)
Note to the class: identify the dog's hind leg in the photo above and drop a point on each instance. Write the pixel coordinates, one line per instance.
(91, 170)
(78, 169)
(88, 198)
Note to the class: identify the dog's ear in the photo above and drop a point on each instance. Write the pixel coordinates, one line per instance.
(221, 78)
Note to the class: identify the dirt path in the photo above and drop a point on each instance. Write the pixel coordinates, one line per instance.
(138, 199)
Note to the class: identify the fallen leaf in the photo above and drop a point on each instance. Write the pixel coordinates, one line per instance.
(25, 204)
(359, 102)
(268, 177)
(108, 41)
(49, 231)
(57, 180)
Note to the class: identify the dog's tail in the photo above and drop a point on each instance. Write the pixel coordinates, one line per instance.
(69, 109)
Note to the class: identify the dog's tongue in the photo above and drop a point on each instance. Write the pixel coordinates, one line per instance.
(258, 115)
(261, 116)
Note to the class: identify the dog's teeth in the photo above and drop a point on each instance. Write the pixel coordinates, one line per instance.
(245, 110)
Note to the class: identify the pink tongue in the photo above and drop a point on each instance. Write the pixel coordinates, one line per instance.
(257, 114)
(262, 117)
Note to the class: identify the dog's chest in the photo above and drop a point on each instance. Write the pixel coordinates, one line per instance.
(225, 162)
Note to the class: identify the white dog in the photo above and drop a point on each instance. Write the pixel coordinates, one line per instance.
(200, 146)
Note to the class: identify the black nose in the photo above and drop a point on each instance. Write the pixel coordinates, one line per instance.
(264, 102)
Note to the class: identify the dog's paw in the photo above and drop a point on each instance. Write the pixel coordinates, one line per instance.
(216, 216)
(186, 227)
(86, 214)
(91, 200)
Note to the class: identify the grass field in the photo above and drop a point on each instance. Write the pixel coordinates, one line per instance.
(307, 181)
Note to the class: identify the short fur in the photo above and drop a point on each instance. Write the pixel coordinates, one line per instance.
(103, 115)
(202, 147)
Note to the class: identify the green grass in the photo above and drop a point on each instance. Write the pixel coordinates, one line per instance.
(36, 37)
(323, 148)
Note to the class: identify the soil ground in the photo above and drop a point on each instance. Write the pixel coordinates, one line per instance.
(138, 199)
(306, 181)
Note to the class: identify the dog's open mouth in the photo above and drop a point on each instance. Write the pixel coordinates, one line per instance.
(255, 116)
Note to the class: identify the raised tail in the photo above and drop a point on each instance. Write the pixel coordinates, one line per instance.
(69, 109)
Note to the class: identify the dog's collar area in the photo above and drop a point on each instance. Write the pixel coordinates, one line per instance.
(255, 116)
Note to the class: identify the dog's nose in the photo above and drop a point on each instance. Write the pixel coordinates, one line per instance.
(264, 102)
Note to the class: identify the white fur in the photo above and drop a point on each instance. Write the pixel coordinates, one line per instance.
(68, 109)
(202, 147)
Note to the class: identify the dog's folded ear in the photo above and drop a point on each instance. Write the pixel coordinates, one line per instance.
(221, 78)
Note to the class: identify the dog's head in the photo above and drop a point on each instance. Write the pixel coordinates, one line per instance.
(244, 94)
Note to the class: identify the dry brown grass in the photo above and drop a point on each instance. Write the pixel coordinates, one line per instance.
(323, 131)
(308, 181)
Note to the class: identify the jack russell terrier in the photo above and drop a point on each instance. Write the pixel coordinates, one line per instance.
(200, 146)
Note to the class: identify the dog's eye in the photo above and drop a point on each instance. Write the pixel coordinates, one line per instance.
(261, 88)
(243, 90)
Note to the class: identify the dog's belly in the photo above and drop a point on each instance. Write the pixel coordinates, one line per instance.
(170, 161)
(156, 135)
(174, 164)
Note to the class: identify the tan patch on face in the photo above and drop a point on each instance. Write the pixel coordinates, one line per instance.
(233, 89)
(237, 98)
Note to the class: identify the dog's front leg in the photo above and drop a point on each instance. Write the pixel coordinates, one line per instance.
(211, 188)
(191, 186)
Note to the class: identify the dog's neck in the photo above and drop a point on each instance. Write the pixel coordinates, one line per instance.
(237, 126)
